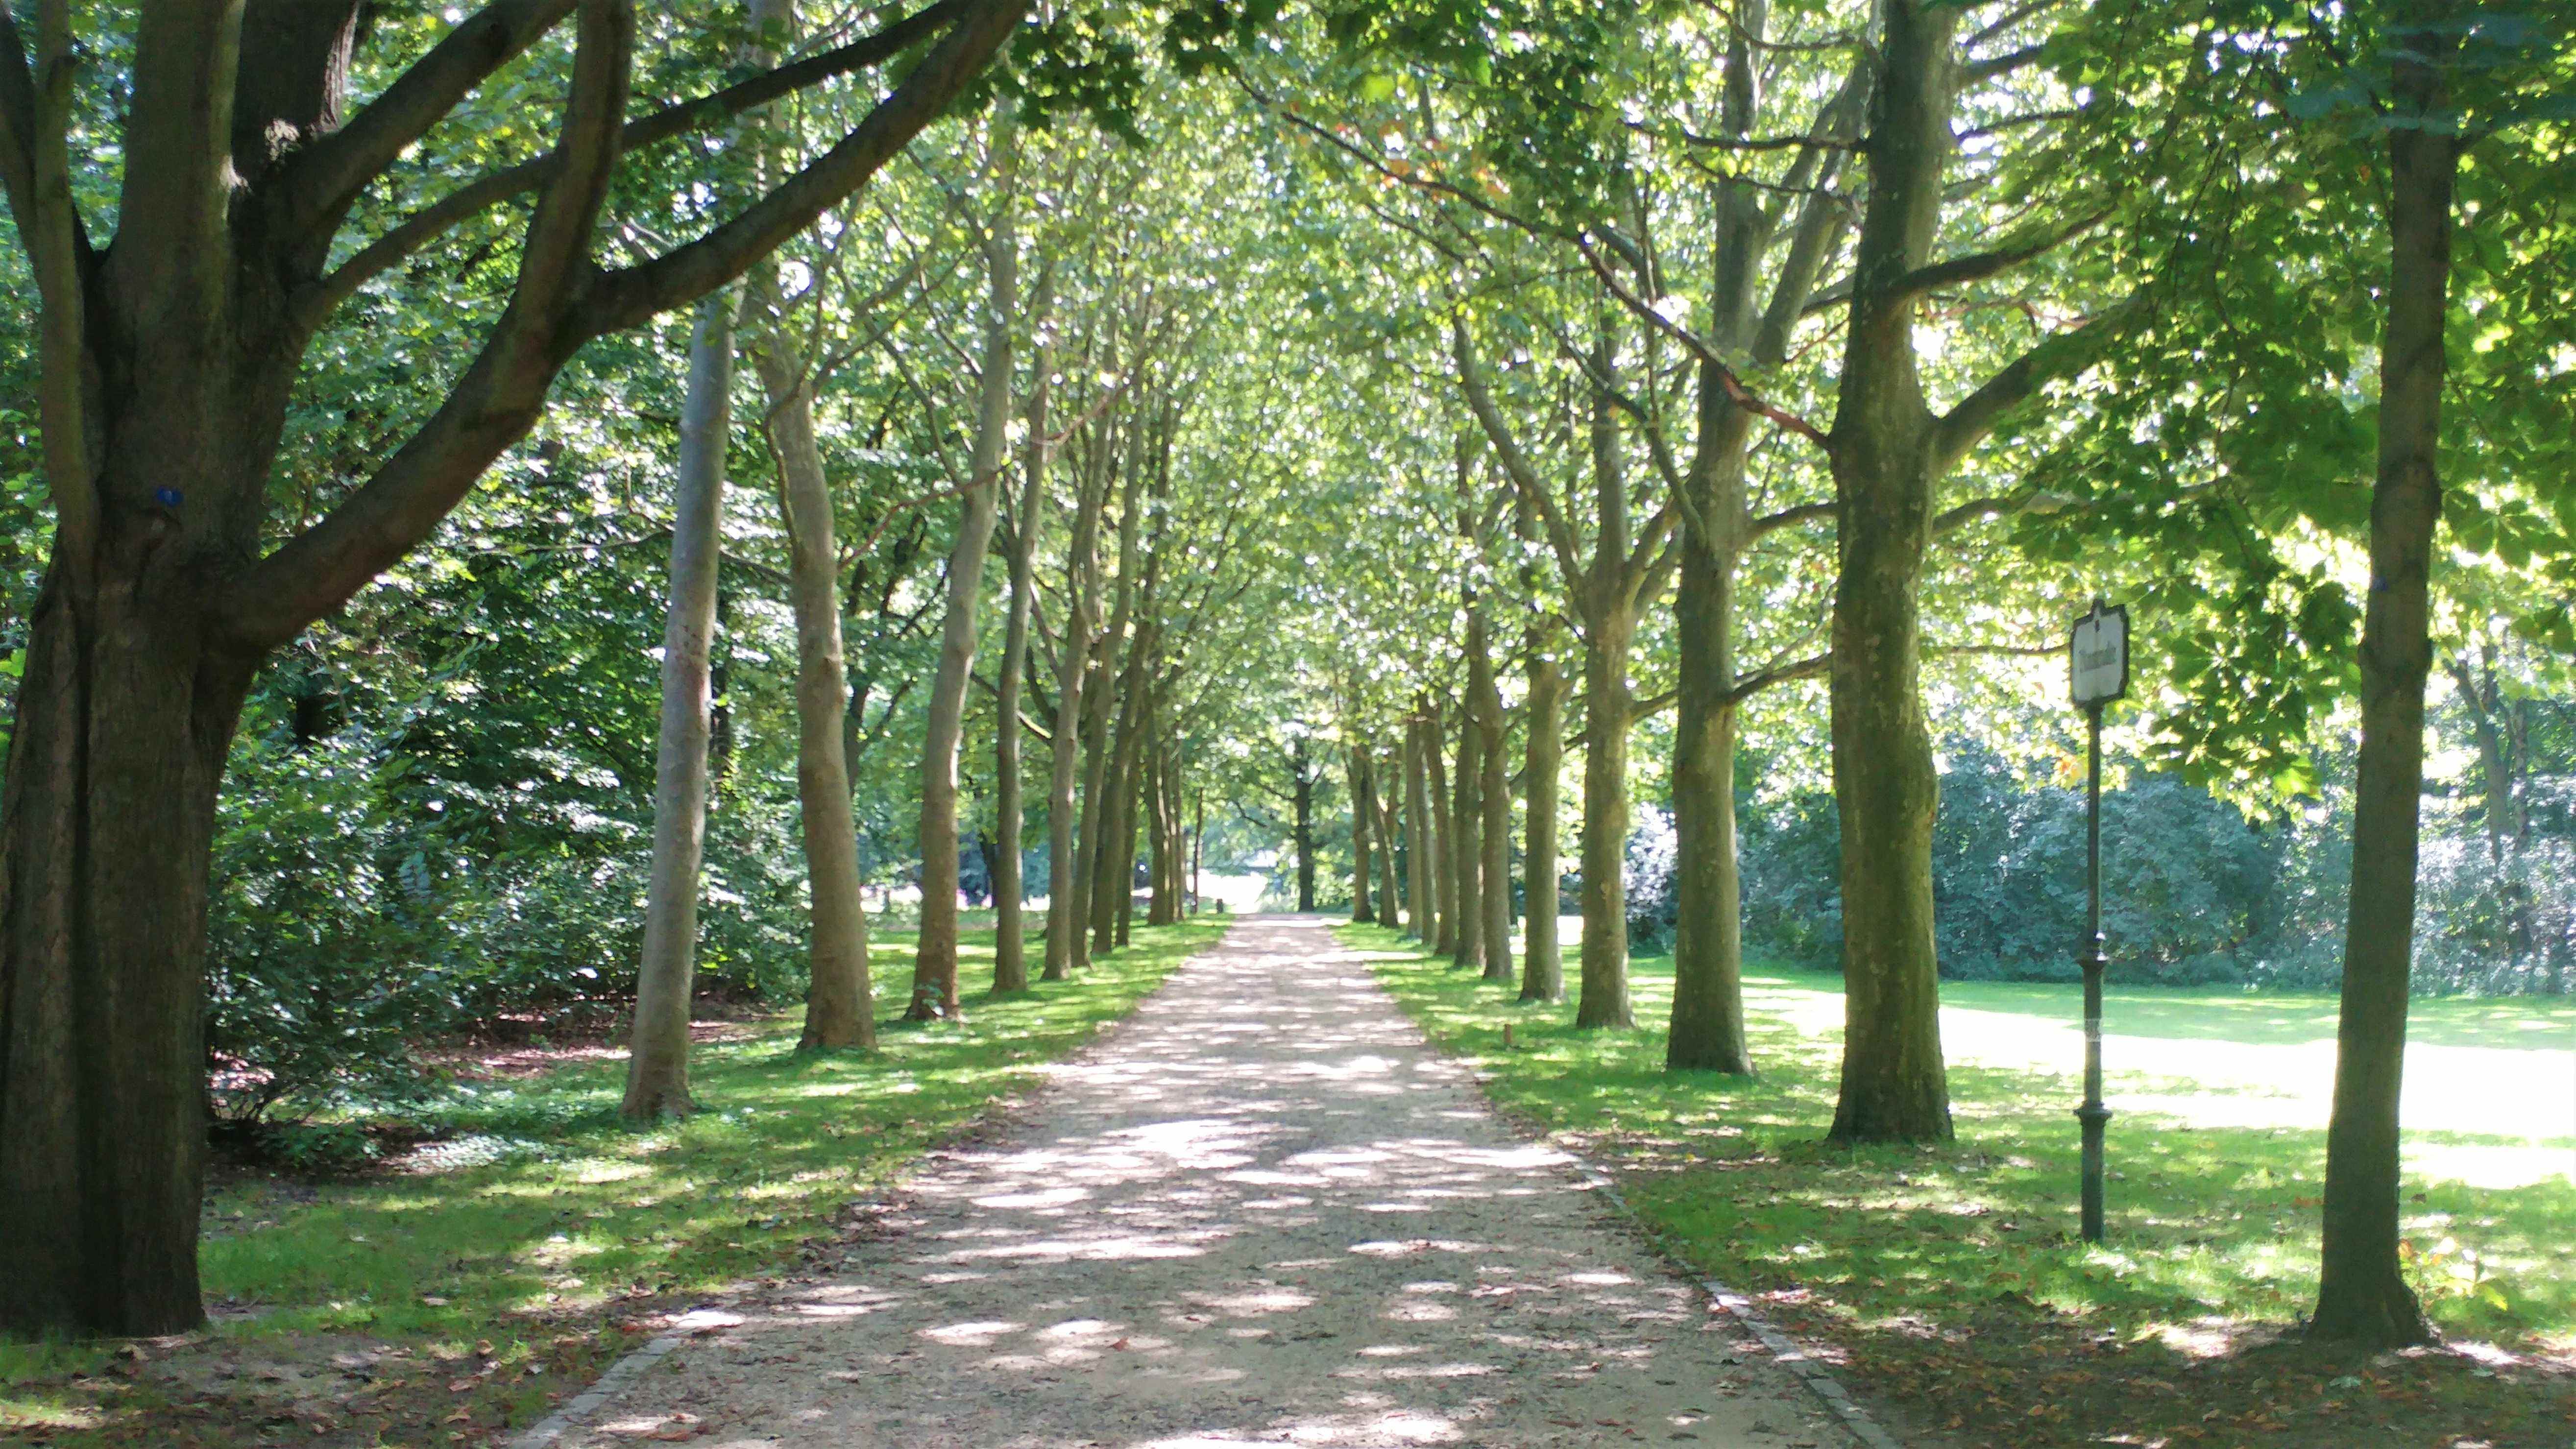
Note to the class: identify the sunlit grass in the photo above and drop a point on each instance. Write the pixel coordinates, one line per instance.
(2217, 1155)
(576, 1214)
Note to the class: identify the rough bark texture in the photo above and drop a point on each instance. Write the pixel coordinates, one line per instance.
(1894, 1085)
(2362, 1296)
(838, 1008)
(934, 961)
(657, 1060)
(1542, 955)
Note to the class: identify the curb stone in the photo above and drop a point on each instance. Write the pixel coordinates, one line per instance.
(610, 1384)
(1819, 1380)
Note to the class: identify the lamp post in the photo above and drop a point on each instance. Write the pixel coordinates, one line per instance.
(2097, 657)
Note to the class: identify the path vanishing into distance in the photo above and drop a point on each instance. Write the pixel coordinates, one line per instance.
(1259, 1211)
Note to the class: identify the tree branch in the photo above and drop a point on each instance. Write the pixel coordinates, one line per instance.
(1727, 380)
(1976, 266)
(501, 395)
(1516, 464)
(2062, 355)
(325, 176)
(1749, 685)
(478, 196)
(1787, 518)
(627, 297)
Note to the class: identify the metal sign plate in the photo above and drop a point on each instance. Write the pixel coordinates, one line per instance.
(2097, 655)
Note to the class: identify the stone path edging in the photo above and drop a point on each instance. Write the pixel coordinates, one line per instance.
(1784, 1349)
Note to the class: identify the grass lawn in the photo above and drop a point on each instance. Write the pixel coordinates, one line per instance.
(1950, 1281)
(437, 1307)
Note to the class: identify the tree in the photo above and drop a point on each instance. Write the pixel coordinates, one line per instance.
(166, 587)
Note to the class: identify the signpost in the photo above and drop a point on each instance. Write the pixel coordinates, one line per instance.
(2097, 658)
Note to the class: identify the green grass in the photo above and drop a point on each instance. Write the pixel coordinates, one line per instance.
(2217, 1157)
(579, 1218)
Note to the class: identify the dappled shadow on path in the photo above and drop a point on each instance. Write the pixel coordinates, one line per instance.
(1262, 1212)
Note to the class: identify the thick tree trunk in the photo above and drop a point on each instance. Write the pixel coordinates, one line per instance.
(838, 1010)
(1894, 1085)
(1467, 843)
(1602, 999)
(657, 1059)
(934, 961)
(1363, 807)
(1542, 956)
(123, 726)
(2361, 1295)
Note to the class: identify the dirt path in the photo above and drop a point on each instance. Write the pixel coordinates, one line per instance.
(1260, 1211)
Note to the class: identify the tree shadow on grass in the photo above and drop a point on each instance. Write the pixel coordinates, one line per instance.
(1950, 1280)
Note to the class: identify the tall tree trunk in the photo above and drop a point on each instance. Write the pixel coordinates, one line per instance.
(1894, 1084)
(1543, 760)
(1497, 794)
(838, 1011)
(934, 961)
(2361, 1295)
(1302, 783)
(1438, 843)
(1387, 874)
(1010, 931)
(109, 816)
(1198, 847)
(657, 1052)
(1114, 883)
(1467, 840)
(1363, 806)
(1602, 1000)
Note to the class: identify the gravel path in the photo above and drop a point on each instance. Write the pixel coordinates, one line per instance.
(1261, 1211)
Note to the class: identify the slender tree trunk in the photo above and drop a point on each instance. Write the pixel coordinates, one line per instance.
(934, 961)
(2361, 1295)
(1363, 806)
(838, 1012)
(1098, 693)
(1010, 931)
(1467, 841)
(1602, 1000)
(657, 1060)
(1387, 874)
(1198, 849)
(1543, 956)
(1441, 842)
(1302, 783)
(1114, 882)
(1894, 1084)
(1497, 795)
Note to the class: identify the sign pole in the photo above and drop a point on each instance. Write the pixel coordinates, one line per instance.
(2097, 659)
(2093, 1114)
